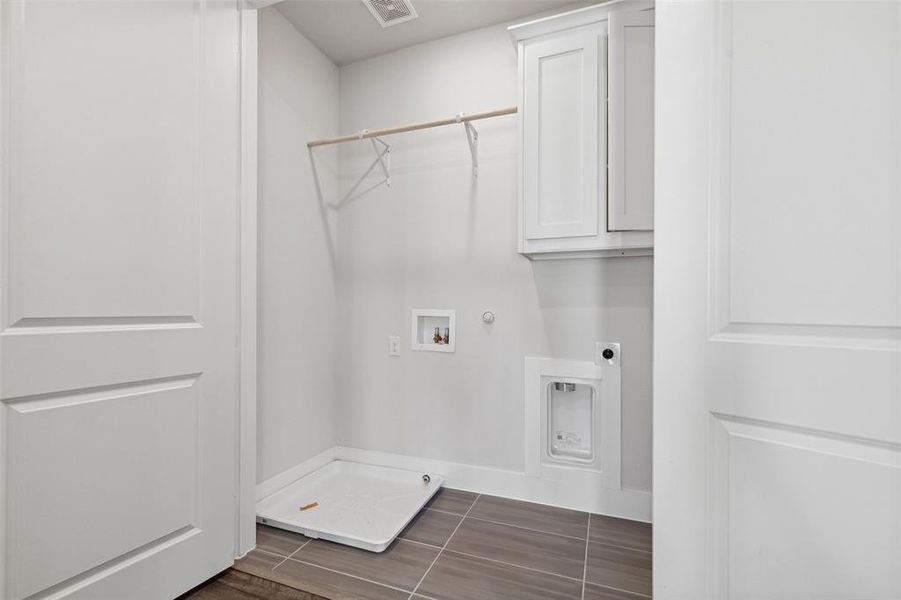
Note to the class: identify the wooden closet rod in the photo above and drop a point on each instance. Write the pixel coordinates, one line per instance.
(413, 127)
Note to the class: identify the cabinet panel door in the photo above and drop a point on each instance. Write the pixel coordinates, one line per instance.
(631, 173)
(564, 81)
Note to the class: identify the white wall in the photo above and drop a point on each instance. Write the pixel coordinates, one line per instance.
(438, 238)
(298, 100)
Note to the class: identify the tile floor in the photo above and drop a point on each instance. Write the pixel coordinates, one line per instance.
(464, 546)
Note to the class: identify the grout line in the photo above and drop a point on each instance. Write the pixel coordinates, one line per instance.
(437, 556)
(303, 562)
(621, 547)
(302, 546)
(432, 546)
(283, 558)
(585, 566)
(258, 549)
(570, 537)
(446, 512)
(508, 564)
(616, 589)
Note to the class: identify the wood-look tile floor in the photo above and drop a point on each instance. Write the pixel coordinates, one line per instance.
(464, 546)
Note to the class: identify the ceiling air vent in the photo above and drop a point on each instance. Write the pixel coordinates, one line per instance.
(391, 12)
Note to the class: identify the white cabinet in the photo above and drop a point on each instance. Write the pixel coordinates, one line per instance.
(631, 116)
(586, 101)
(564, 89)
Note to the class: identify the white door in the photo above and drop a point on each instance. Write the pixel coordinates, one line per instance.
(118, 307)
(777, 410)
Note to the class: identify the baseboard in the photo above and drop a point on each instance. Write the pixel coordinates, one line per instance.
(568, 488)
(289, 476)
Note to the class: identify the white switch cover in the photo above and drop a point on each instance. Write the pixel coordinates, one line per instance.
(393, 345)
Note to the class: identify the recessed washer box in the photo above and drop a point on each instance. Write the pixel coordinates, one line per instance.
(423, 326)
(573, 419)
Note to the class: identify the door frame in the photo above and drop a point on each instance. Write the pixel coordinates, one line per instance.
(247, 298)
(246, 460)
(247, 293)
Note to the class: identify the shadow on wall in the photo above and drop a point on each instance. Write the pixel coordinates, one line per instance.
(324, 208)
(588, 300)
(622, 281)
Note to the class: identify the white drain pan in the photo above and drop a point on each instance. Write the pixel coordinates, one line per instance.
(359, 505)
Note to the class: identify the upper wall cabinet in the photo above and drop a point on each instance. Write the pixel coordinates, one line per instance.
(586, 98)
(565, 93)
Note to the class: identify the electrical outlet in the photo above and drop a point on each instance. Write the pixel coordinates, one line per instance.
(393, 345)
(607, 353)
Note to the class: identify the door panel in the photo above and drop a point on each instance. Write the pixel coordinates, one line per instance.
(631, 132)
(809, 515)
(129, 353)
(100, 123)
(104, 471)
(814, 166)
(560, 114)
(561, 118)
(778, 301)
(118, 304)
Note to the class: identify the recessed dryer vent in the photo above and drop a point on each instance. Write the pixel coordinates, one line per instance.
(391, 12)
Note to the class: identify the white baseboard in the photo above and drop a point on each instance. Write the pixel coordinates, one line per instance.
(568, 488)
(286, 478)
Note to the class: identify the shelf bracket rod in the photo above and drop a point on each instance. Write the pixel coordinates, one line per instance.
(383, 157)
(472, 136)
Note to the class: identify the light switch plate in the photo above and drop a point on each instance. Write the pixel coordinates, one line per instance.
(393, 345)
(599, 358)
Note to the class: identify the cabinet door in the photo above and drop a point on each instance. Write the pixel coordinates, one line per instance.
(631, 172)
(563, 97)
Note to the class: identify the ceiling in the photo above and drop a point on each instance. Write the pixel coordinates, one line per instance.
(345, 30)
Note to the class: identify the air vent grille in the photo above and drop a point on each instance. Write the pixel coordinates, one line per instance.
(391, 12)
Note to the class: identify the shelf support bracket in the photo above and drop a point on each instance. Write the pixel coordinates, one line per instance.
(472, 136)
(382, 159)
